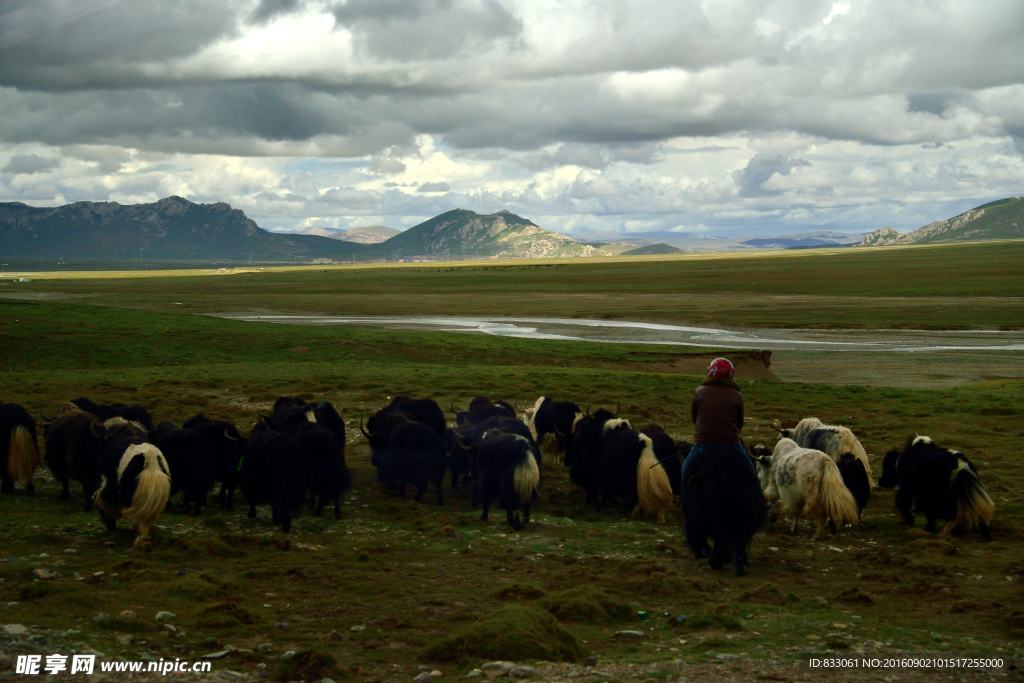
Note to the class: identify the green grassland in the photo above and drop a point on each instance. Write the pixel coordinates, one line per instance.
(425, 581)
(969, 286)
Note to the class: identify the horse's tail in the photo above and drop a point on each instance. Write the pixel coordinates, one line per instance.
(834, 498)
(22, 454)
(653, 488)
(973, 504)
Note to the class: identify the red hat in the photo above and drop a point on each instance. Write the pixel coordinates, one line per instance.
(721, 367)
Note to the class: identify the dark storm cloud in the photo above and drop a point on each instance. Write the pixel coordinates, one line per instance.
(29, 164)
(760, 169)
(54, 44)
(268, 9)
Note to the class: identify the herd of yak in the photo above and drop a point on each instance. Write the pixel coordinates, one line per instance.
(129, 468)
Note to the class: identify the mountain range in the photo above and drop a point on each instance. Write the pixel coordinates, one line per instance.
(1002, 219)
(175, 229)
(371, 234)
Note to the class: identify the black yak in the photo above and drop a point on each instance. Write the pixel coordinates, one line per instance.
(134, 483)
(19, 448)
(74, 442)
(324, 460)
(191, 463)
(273, 471)
(227, 445)
(507, 472)
(458, 443)
(941, 483)
(585, 452)
(806, 483)
(423, 410)
(551, 424)
(414, 455)
(482, 408)
(722, 500)
(105, 412)
(631, 472)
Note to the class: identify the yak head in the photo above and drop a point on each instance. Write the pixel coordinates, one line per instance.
(889, 478)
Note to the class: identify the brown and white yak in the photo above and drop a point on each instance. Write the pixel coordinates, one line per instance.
(134, 483)
(806, 483)
(19, 449)
(630, 471)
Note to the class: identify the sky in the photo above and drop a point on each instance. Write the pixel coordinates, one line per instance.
(731, 118)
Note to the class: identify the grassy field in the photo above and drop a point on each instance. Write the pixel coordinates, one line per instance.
(968, 286)
(415, 575)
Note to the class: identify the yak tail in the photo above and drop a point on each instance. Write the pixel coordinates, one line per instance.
(526, 478)
(22, 455)
(836, 500)
(151, 495)
(653, 488)
(849, 443)
(973, 504)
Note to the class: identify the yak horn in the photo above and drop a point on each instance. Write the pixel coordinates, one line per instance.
(452, 409)
(617, 407)
(558, 433)
(519, 408)
(46, 419)
(262, 416)
(92, 428)
(666, 459)
(229, 437)
(363, 430)
(776, 428)
(587, 413)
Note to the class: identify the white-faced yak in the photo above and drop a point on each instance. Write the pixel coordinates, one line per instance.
(723, 502)
(134, 484)
(837, 442)
(273, 471)
(551, 423)
(74, 441)
(806, 483)
(19, 449)
(191, 463)
(326, 473)
(227, 446)
(941, 483)
(631, 472)
(507, 471)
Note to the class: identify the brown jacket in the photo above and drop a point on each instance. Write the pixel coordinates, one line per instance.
(717, 411)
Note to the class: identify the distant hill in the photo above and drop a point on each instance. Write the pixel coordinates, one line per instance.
(466, 233)
(660, 248)
(813, 239)
(373, 234)
(168, 230)
(1002, 219)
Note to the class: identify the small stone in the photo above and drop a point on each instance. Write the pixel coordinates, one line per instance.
(357, 628)
(164, 616)
(475, 673)
(146, 657)
(726, 656)
(335, 635)
(821, 600)
(280, 626)
(496, 669)
(630, 634)
(70, 551)
(124, 639)
(290, 653)
(43, 556)
(591, 661)
(813, 637)
(265, 648)
(42, 573)
(436, 673)
(216, 655)
(211, 642)
(169, 628)
(522, 672)
(15, 629)
(422, 678)
(231, 675)
(326, 680)
(127, 614)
